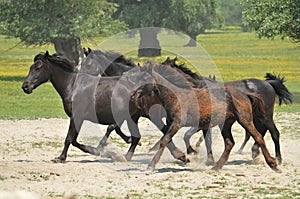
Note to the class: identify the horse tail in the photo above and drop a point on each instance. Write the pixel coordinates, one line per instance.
(280, 89)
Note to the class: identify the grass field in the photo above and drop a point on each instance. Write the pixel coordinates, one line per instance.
(237, 55)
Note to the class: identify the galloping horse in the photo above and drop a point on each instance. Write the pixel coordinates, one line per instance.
(266, 89)
(214, 106)
(87, 97)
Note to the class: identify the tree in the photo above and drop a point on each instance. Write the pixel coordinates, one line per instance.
(231, 11)
(189, 16)
(144, 13)
(272, 18)
(63, 23)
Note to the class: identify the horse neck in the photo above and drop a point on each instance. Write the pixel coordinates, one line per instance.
(62, 81)
(117, 69)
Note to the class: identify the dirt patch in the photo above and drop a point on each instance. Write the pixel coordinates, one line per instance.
(27, 146)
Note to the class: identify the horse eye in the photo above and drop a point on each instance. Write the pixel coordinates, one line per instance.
(38, 67)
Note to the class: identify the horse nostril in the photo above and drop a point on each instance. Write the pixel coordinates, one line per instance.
(24, 86)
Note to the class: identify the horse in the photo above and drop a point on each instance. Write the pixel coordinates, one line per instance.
(213, 106)
(268, 89)
(87, 97)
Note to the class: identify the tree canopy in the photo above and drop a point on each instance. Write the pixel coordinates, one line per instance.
(57, 21)
(270, 18)
(189, 16)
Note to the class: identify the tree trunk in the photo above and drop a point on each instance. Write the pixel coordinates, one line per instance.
(149, 44)
(193, 40)
(69, 48)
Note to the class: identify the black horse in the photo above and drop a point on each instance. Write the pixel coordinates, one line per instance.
(87, 97)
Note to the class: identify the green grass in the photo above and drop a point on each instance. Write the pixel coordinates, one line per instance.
(237, 55)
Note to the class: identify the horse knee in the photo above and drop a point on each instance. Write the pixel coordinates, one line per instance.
(229, 144)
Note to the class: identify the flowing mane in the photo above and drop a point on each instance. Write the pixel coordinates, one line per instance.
(58, 60)
(114, 57)
(168, 73)
(181, 67)
(197, 80)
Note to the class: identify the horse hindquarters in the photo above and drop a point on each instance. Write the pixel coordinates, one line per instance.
(244, 115)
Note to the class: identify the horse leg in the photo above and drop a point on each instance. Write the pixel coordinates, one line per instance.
(164, 129)
(247, 137)
(228, 142)
(198, 143)
(208, 141)
(110, 128)
(103, 141)
(275, 137)
(135, 137)
(175, 151)
(72, 134)
(246, 121)
(126, 138)
(187, 137)
(262, 130)
(163, 143)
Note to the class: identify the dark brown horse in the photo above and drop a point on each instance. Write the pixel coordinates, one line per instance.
(267, 89)
(204, 108)
(87, 97)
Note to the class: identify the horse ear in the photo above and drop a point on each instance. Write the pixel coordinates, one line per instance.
(174, 61)
(85, 52)
(47, 54)
(89, 50)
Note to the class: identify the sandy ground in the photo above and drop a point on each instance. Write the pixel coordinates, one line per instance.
(27, 146)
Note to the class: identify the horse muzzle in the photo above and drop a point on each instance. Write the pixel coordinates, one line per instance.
(27, 88)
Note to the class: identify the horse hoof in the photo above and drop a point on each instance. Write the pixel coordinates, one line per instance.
(58, 160)
(277, 170)
(215, 168)
(150, 168)
(278, 161)
(119, 158)
(257, 160)
(209, 162)
(128, 156)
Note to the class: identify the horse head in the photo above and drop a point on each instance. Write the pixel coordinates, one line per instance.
(37, 74)
(143, 81)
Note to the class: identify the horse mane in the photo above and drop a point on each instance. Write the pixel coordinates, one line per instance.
(197, 80)
(168, 73)
(181, 67)
(59, 60)
(114, 57)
